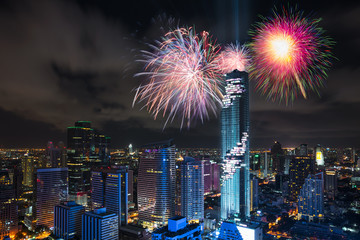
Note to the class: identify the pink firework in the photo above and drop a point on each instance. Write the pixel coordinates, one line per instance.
(234, 57)
(183, 78)
(290, 55)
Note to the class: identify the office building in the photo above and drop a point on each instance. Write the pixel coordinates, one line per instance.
(51, 189)
(8, 206)
(311, 197)
(130, 185)
(67, 220)
(211, 177)
(109, 189)
(192, 189)
(254, 191)
(277, 157)
(27, 165)
(235, 188)
(300, 168)
(319, 156)
(156, 184)
(86, 148)
(100, 225)
(178, 229)
(331, 184)
(240, 231)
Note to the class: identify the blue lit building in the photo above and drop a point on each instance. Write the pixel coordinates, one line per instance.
(178, 229)
(235, 181)
(240, 231)
(311, 197)
(67, 220)
(51, 189)
(192, 189)
(100, 225)
(156, 184)
(109, 189)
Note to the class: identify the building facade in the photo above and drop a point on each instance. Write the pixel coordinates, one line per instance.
(67, 220)
(235, 181)
(178, 229)
(311, 197)
(109, 189)
(100, 225)
(192, 189)
(300, 168)
(156, 184)
(51, 189)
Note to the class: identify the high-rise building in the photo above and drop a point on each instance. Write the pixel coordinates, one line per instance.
(8, 206)
(178, 163)
(109, 189)
(192, 190)
(67, 220)
(330, 183)
(303, 150)
(211, 177)
(130, 185)
(278, 158)
(51, 189)
(28, 169)
(156, 184)
(254, 191)
(235, 189)
(178, 229)
(311, 197)
(86, 148)
(100, 225)
(300, 168)
(319, 156)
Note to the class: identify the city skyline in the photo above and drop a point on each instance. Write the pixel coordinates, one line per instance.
(45, 91)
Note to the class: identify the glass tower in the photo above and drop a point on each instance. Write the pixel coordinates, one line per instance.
(235, 180)
(156, 184)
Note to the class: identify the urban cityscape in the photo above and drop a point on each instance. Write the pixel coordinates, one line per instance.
(139, 142)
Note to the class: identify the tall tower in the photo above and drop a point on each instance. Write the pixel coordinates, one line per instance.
(235, 181)
(51, 189)
(156, 184)
(192, 189)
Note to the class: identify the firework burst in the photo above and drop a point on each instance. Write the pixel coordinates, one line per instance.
(234, 57)
(290, 55)
(183, 78)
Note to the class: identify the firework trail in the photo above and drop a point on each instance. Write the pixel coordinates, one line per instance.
(183, 78)
(234, 57)
(290, 54)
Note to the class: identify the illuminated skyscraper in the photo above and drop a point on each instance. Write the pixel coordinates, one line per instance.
(319, 156)
(100, 225)
(67, 220)
(86, 148)
(300, 168)
(51, 189)
(311, 197)
(109, 189)
(156, 184)
(331, 183)
(235, 189)
(192, 189)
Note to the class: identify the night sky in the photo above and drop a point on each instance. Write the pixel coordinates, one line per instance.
(63, 61)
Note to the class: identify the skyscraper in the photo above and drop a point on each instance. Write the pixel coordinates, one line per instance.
(235, 189)
(109, 189)
(67, 220)
(192, 189)
(319, 156)
(311, 197)
(86, 148)
(100, 225)
(331, 183)
(51, 189)
(254, 190)
(300, 168)
(8, 206)
(156, 184)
